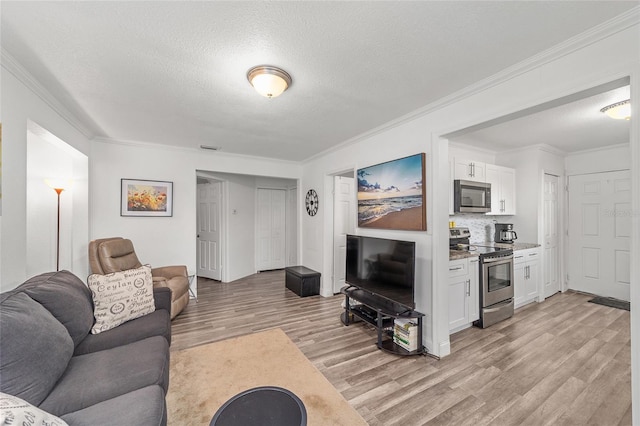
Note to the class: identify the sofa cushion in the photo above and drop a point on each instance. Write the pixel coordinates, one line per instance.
(16, 411)
(66, 297)
(157, 323)
(121, 296)
(144, 406)
(36, 348)
(99, 376)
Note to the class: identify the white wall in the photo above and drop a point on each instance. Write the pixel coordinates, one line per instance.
(575, 69)
(19, 105)
(530, 165)
(599, 160)
(168, 240)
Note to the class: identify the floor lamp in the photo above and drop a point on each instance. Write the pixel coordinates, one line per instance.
(58, 187)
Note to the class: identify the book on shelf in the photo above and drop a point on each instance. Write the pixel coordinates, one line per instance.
(408, 346)
(405, 333)
(405, 323)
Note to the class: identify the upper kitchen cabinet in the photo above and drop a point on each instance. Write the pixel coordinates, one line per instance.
(469, 170)
(503, 189)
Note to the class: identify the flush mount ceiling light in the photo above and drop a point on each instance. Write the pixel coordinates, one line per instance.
(619, 110)
(268, 80)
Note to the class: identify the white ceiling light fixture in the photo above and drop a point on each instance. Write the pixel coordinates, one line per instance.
(619, 110)
(268, 80)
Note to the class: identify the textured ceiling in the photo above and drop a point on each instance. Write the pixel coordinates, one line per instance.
(575, 126)
(175, 72)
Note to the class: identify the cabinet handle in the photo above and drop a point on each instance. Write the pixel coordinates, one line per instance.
(527, 272)
(503, 206)
(469, 287)
(473, 169)
(457, 268)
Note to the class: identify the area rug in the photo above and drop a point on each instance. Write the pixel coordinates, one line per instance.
(205, 377)
(611, 302)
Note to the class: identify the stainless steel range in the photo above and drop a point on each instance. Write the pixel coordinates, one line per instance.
(496, 277)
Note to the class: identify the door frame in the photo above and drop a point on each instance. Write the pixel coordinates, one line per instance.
(335, 211)
(562, 218)
(224, 228)
(326, 281)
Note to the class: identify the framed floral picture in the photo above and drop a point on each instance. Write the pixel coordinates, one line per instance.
(146, 198)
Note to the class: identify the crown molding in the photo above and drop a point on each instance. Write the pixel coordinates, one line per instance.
(580, 41)
(18, 71)
(537, 147)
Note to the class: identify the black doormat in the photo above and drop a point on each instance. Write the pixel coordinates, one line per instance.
(611, 302)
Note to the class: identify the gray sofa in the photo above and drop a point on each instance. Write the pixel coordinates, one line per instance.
(49, 358)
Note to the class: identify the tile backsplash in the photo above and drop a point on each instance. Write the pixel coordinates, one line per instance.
(481, 227)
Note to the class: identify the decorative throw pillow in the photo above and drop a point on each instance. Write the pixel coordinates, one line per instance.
(121, 296)
(16, 411)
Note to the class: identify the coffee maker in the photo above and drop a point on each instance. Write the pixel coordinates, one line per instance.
(505, 233)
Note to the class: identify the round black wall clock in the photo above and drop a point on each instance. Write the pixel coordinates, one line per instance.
(311, 201)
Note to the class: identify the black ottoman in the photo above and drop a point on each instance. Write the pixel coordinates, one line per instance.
(302, 281)
(263, 406)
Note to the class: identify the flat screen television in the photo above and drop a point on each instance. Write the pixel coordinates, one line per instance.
(383, 267)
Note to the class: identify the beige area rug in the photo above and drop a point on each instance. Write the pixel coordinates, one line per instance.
(205, 377)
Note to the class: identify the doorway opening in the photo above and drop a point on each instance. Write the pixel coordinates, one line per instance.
(344, 214)
(52, 236)
(232, 216)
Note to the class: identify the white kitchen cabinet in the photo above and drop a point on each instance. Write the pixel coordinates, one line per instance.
(503, 189)
(469, 170)
(463, 293)
(527, 278)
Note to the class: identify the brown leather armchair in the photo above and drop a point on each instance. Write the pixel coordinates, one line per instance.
(116, 254)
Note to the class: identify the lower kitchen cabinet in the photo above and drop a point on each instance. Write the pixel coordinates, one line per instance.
(464, 305)
(527, 278)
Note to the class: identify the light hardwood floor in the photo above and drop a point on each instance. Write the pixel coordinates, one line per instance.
(562, 362)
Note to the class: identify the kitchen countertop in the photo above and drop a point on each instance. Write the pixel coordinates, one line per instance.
(463, 254)
(515, 246)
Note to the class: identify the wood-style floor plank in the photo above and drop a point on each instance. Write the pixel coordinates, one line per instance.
(561, 362)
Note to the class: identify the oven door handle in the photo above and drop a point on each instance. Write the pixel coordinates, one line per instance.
(498, 306)
(498, 259)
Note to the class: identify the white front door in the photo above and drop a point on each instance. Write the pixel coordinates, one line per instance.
(208, 216)
(344, 218)
(551, 236)
(271, 229)
(599, 233)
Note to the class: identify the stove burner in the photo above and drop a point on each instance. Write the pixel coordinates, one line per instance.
(459, 240)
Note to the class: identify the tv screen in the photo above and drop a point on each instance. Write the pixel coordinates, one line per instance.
(383, 267)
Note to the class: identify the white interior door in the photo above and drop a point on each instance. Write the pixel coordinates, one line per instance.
(599, 233)
(208, 216)
(292, 227)
(271, 229)
(344, 218)
(551, 236)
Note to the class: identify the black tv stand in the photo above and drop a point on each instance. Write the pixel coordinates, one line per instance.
(380, 313)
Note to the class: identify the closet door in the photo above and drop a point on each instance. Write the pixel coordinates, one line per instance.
(271, 229)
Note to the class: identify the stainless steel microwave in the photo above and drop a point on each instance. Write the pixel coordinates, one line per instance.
(471, 197)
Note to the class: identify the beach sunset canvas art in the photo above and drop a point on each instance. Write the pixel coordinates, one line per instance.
(391, 195)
